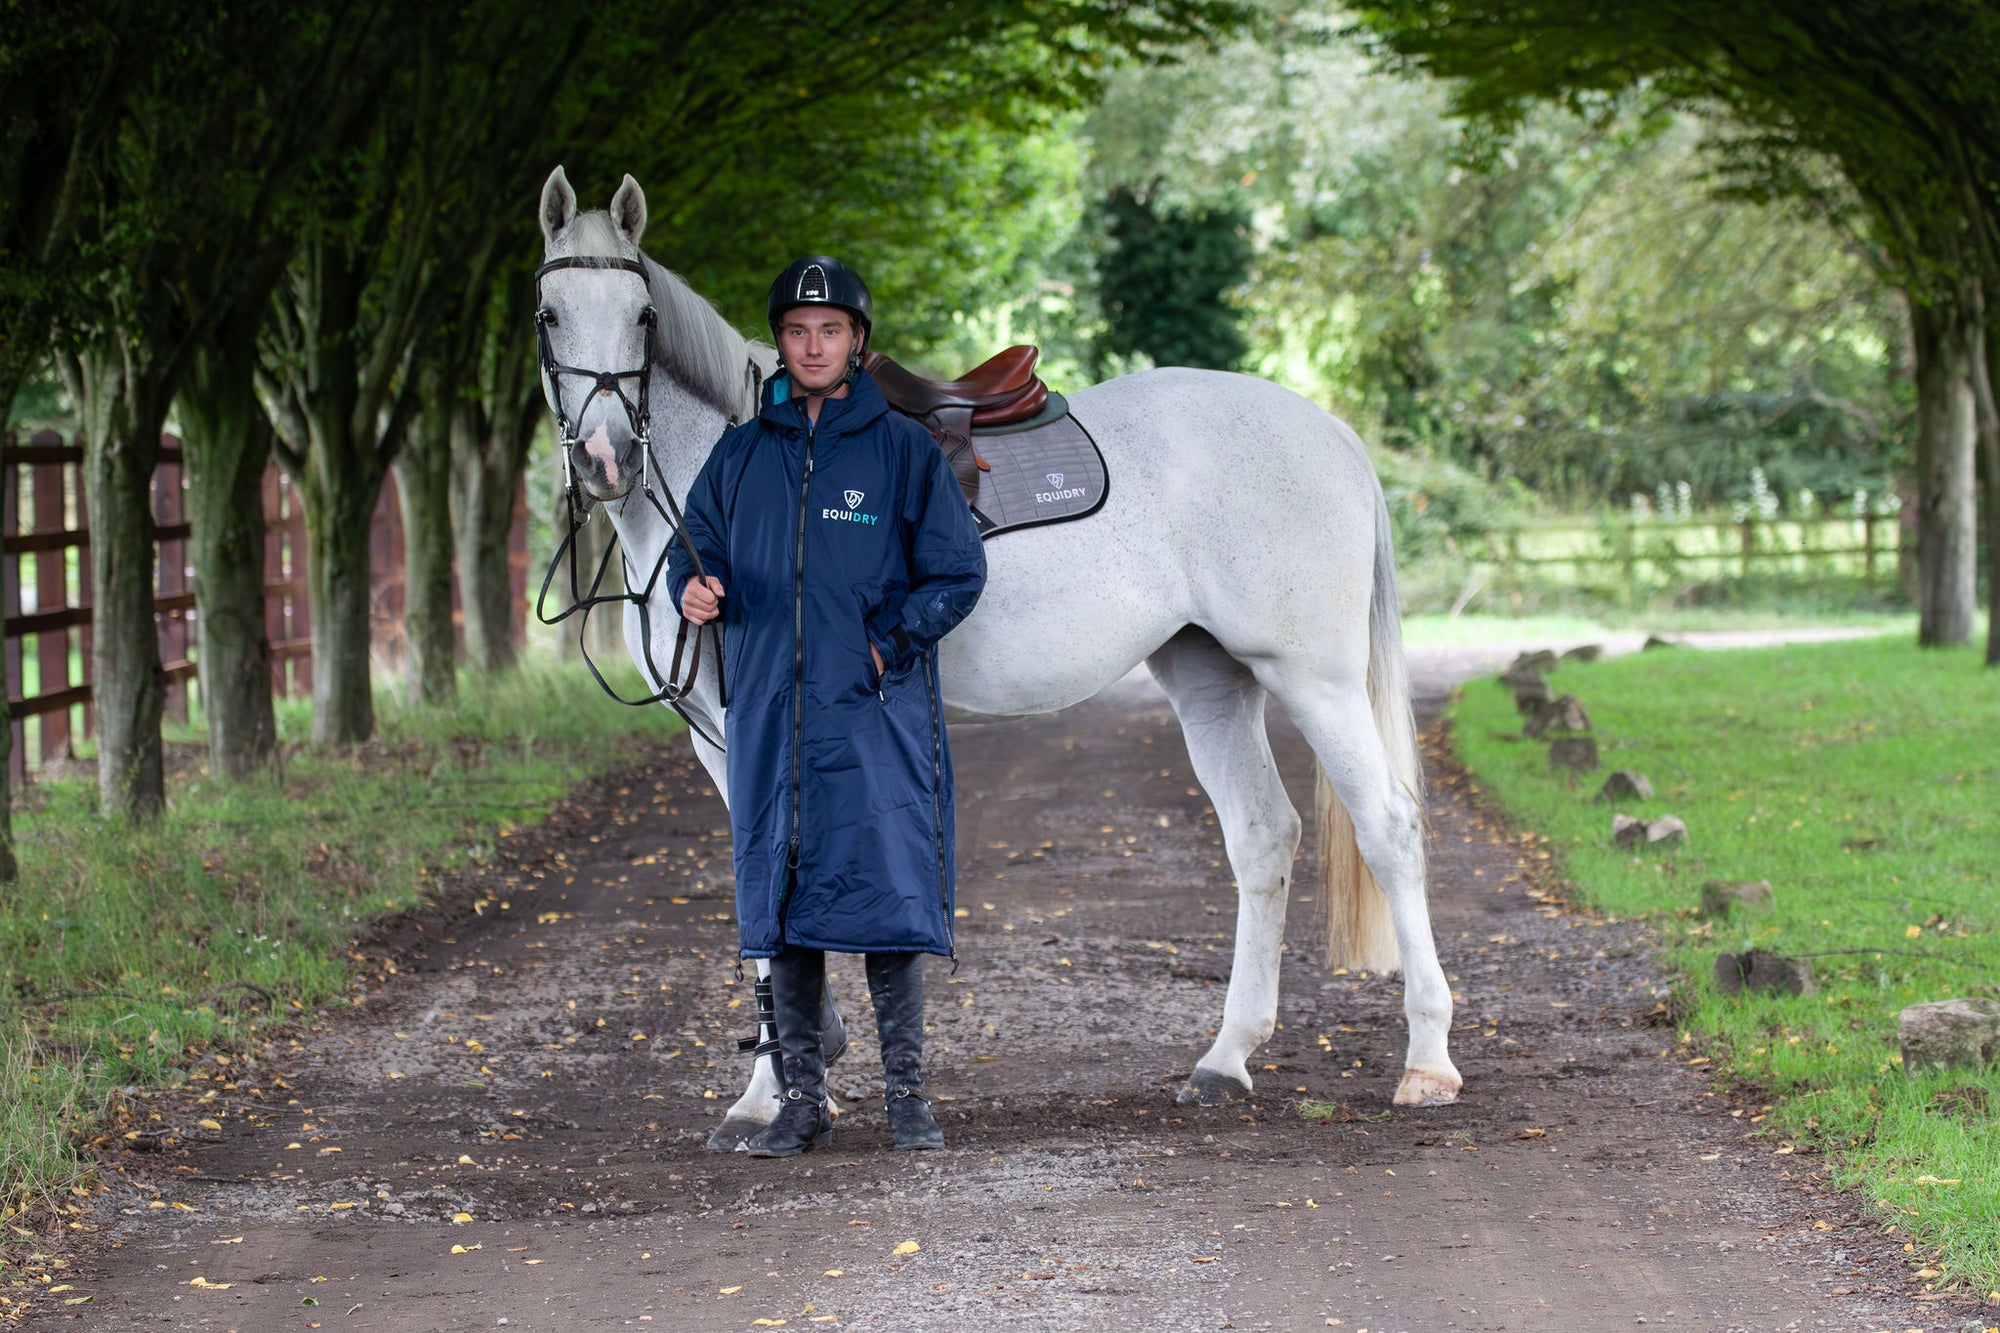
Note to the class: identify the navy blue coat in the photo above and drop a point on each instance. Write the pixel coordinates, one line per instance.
(840, 787)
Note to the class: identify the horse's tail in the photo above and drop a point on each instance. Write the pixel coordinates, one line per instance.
(1359, 932)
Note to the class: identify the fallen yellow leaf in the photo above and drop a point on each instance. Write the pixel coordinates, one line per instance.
(466, 1160)
(835, 1272)
(206, 1285)
(730, 1291)
(208, 1124)
(768, 1323)
(465, 1249)
(907, 1247)
(460, 1219)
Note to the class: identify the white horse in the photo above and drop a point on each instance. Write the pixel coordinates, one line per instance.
(1243, 553)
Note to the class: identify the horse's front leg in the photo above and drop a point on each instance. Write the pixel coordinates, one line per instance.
(1221, 710)
(758, 1105)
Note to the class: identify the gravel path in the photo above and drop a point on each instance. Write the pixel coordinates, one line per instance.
(543, 1072)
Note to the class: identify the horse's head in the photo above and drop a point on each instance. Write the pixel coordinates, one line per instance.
(595, 322)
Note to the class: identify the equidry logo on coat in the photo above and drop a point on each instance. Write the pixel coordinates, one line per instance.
(1055, 479)
(848, 515)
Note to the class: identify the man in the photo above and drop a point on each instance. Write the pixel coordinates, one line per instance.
(838, 550)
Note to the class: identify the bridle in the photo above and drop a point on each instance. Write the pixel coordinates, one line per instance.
(671, 688)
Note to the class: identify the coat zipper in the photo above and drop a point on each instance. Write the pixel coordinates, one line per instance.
(798, 680)
(937, 809)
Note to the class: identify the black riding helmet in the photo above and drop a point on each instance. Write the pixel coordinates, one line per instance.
(822, 280)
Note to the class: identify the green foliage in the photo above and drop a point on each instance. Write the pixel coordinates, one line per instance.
(1898, 116)
(1868, 805)
(1570, 306)
(925, 145)
(263, 884)
(1165, 280)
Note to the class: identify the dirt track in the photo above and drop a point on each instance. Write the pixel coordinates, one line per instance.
(502, 1078)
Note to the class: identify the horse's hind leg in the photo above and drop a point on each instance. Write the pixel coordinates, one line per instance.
(1389, 832)
(1221, 711)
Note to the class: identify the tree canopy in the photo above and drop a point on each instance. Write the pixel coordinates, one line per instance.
(1900, 98)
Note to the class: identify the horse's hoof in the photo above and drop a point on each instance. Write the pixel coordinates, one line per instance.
(1205, 1087)
(733, 1134)
(1428, 1087)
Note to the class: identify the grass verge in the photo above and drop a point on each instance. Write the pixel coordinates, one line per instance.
(127, 951)
(1474, 629)
(1861, 779)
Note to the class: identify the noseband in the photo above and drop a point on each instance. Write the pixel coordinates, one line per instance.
(672, 689)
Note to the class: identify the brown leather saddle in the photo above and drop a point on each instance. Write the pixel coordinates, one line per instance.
(1002, 391)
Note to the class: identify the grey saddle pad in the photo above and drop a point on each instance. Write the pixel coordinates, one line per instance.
(1046, 471)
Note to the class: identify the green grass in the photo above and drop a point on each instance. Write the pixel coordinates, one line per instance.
(126, 952)
(1863, 780)
(1475, 628)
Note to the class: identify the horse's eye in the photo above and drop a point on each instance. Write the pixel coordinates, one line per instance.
(546, 316)
(649, 317)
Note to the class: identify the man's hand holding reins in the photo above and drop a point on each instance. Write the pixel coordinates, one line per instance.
(701, 600)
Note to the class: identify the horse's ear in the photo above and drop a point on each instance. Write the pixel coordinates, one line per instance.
(558, 205)
(628, 211)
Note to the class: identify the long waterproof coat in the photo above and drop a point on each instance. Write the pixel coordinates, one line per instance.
(826, 539)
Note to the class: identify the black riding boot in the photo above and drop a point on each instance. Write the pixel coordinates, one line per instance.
(896, 984)
(798, 979)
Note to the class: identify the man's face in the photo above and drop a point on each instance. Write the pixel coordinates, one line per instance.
(816, 342)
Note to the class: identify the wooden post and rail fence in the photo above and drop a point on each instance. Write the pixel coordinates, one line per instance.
(45, 589)
(1630, 554)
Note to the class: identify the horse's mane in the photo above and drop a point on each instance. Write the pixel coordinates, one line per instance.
(695, 344)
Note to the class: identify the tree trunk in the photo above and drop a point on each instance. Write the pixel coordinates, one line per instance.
(228, 444)
(1986, 375)
(340, 511)
(12, 371)
(1947, 344)
(423, 485)
(122, 414)
(485, 478)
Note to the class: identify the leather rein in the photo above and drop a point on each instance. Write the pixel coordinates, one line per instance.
(671, 688)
